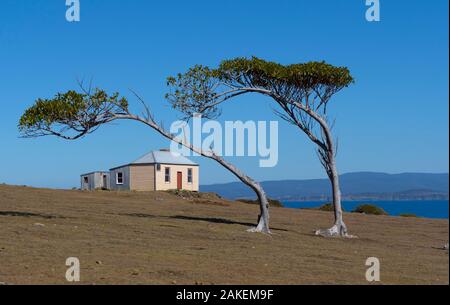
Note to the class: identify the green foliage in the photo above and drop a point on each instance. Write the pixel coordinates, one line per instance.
(70, 111)
(275, 203)
(302, 76)
(370, 209)
(272, 202)
(191, 91)
(184, 193)
(408, 215)
(202, 89)
(328, 207)
(193, 194)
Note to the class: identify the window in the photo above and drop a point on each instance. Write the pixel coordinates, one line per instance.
(189, 175)
(86, 180)
(158, 167)
(167, 175)
(119, 178)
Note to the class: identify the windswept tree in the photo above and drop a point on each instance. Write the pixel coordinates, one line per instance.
(302, 91)
(73, 114)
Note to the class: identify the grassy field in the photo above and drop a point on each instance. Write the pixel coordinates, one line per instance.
(160, 238)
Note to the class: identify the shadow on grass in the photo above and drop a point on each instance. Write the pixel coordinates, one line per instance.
(141, 215)
(28, 214)
(212, 220)
(205, 219)
(220, 220)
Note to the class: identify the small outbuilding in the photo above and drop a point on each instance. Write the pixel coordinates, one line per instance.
(156, 171)
(95, 181)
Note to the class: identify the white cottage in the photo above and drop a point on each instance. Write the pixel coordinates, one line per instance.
(155, 171)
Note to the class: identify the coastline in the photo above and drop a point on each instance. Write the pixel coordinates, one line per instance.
(433, 209)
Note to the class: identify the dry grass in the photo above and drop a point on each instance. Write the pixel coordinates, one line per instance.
(159, 238)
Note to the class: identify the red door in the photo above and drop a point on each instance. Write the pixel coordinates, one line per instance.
(179, 180)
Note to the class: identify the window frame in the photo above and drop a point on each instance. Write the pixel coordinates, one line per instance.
(117, 178)
(190, 175)
(167, 174)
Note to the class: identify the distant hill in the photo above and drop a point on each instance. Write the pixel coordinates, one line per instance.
(355, 186)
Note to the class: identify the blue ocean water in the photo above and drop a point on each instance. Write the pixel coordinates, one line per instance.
(421, 208)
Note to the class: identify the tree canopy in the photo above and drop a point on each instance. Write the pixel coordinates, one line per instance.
(201, 89)
(306, 76)
(71, 115)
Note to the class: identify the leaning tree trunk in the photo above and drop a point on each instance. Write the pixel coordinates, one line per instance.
(263, 222)
(329, 161)
(339, 228)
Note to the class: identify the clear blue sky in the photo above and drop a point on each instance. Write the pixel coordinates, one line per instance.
(393, 119)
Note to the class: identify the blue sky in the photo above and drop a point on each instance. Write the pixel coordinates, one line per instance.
(393, 119)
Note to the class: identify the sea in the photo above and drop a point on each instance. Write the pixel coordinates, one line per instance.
(420, 208)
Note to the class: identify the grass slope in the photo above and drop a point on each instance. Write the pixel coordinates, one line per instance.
(160, 238)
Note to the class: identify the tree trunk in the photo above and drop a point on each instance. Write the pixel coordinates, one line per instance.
(339, 228)
(263, 222)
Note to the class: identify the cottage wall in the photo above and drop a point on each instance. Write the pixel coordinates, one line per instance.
(125, 170)
(142, 177)
(162, 185)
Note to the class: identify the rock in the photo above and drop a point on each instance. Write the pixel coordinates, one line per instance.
(445, 247)
(37, 224)
(99, 262)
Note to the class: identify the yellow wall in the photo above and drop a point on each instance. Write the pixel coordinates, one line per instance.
(161, 185)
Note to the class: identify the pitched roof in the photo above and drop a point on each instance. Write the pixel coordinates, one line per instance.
(162, 157)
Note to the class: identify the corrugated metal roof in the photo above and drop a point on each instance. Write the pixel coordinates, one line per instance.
(161, 156)
(164, 157)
